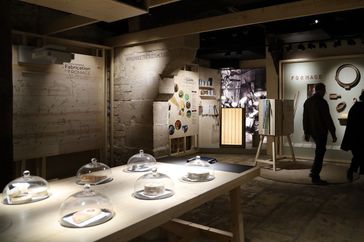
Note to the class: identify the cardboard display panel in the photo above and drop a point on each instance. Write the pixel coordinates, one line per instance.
(276, 117)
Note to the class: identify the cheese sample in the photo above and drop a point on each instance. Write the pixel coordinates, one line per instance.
(86, 214)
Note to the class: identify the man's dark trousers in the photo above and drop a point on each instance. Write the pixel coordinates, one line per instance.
(320, 142)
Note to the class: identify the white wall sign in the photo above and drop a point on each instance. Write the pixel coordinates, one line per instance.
(183, 113)
(297, 81)
(58, 108)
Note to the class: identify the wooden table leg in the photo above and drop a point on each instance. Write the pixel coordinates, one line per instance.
(236, 216)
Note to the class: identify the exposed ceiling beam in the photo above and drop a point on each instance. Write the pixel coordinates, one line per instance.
(243, 18)
(157, 3)
(102, 10)
(73, 21)
(65, 23)
(60, 41)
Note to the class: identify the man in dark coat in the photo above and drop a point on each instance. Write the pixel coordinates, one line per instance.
(354, 137)
(317, 122)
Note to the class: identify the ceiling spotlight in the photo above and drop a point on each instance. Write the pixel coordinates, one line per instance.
(337, 43)
(311, 45)
(322, 45)
(301, 47)
(351, 42)
(316, 21)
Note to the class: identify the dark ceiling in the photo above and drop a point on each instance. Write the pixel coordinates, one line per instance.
(242, 43)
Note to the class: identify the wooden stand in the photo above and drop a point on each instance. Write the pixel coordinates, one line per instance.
(274, 155)
(187, 231)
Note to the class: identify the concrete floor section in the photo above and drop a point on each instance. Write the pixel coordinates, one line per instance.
(275, 211)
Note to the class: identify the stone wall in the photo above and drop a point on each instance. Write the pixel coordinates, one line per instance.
(139, 73)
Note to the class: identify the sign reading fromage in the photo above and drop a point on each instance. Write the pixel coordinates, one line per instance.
(306, 77)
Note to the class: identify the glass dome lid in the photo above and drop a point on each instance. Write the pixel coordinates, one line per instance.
(94, 173)
(141, 162)
(25, 189)
(85, 208)
(153, 186)
(198, 170)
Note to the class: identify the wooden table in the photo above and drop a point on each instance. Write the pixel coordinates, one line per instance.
(39, 221)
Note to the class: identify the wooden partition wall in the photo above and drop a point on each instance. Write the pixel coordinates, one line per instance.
(233, 126)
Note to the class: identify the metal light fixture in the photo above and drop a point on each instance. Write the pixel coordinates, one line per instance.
(322, 44)
(351, 42)
(311, 45)
(337, 43)
(301, 47)
(289, 47)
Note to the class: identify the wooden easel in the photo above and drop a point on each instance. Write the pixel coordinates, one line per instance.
(274, 155)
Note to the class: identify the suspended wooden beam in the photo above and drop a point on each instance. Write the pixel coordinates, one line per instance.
(65, 23)
(157, 3)
(102, 10)
(73, 21)
(243, 18)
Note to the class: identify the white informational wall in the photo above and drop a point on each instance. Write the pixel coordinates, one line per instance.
(58, 108)
(209, 108)
(183, 112)
(298, 78)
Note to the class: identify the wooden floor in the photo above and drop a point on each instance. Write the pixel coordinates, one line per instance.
(284, 212)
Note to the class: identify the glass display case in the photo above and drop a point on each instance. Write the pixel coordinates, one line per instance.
(85, 208)
(94, 173)
(141, 162)
(197, 170)
(153, 185)
(25, 189)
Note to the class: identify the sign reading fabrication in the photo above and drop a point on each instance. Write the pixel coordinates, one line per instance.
(58, 108)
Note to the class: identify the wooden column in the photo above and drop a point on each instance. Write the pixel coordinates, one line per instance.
(6, 95)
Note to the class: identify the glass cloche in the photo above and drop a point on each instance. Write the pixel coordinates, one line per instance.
(25, 189)
(198, 170)
(153, 185)
(94, 173)
(85, 208)
(141, 162)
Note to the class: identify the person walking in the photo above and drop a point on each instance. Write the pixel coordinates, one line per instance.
(317, 122)
(354, 137)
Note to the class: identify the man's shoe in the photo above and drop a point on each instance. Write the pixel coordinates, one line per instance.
(350, 175)
(319, 182)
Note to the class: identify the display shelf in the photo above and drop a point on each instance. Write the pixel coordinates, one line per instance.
(210, 92)
(208, 96)
(207, 90)
(207, 87)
